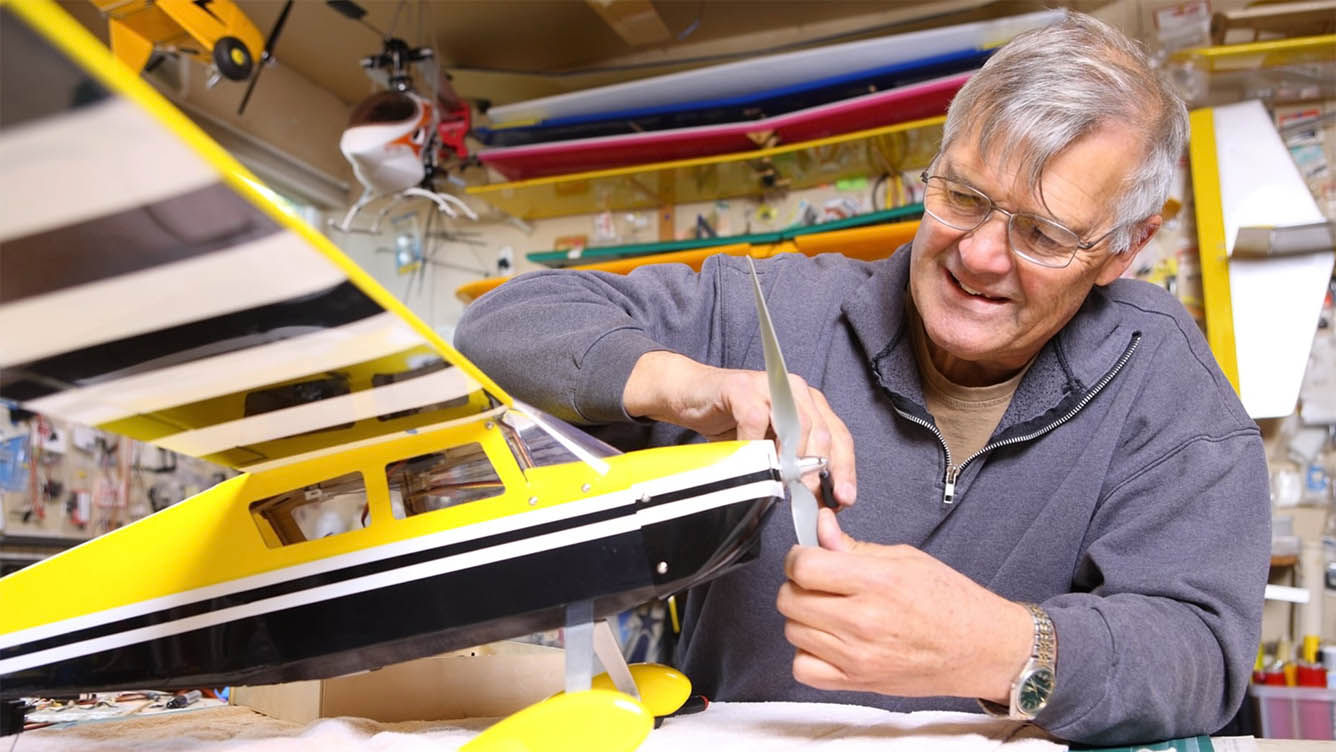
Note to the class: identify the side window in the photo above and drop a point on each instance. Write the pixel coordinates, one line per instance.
(330, 507)
(442, 479)
(534, 447)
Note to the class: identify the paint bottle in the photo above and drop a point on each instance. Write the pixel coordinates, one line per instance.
(1309, 672)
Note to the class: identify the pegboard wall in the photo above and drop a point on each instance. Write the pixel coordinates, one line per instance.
(60, 480)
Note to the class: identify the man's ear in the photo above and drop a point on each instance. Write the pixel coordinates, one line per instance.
(1115, 265)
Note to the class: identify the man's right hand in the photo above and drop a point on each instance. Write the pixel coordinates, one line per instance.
(723, 403)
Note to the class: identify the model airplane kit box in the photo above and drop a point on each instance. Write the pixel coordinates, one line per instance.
(483, 682)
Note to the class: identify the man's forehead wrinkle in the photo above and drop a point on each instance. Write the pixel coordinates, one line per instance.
(1026, 192)
(1020, 186)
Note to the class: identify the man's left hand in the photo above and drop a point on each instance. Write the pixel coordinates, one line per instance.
(894, 620)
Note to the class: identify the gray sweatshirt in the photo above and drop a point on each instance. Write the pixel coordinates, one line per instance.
(1125, 488)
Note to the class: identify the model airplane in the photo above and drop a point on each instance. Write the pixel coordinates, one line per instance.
(394, 502)
(397, 140)
(215, 32)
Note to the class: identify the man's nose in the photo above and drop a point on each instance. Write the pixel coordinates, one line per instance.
(986, 249)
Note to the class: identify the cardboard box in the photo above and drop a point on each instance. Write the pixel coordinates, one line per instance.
(487, 681)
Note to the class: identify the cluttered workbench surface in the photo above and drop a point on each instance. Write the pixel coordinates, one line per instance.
(774, 727)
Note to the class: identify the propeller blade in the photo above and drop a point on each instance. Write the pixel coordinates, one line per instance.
(274, 32)
(784, 417)
(265, 56)
(241, 109)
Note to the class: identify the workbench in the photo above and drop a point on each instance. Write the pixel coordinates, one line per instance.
(774, 727)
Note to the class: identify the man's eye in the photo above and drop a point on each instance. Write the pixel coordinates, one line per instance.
(964, 199)
(1045, 238)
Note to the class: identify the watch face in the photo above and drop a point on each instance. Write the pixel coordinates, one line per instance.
(1035, 690)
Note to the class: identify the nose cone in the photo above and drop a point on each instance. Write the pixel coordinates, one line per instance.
(383, 142)
(380, 164)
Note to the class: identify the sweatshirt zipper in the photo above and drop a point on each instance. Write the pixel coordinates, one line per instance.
(953, 471)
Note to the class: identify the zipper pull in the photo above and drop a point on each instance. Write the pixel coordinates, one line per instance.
(950, 492)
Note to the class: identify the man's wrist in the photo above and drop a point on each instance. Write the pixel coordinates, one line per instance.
(1033, 683)
(644, 395)
(1012, 651)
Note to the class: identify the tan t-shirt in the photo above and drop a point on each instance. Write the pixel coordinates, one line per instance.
(966, 415)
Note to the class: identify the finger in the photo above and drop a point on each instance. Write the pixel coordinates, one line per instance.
(751, 410)
(829, 535)
(822, 485)
(817, 569)
(815, 437)
(840, 453)
(815, 672)
(815, 641)
(802, 400)
(812, 607)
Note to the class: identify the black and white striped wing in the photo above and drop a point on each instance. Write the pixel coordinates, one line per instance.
(150, 285)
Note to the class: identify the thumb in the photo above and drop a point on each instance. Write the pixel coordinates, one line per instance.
(828, 533)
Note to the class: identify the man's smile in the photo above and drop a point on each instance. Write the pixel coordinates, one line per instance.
(973, 293)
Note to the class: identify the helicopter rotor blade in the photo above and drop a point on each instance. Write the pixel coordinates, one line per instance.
(265, 56)
(354, 12)
(348, 8)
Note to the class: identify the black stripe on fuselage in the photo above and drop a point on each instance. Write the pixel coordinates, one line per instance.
(704, 488)
(342, 304)
(453, 610)
(420, 617)
(313, 581)
(326, 578)
(208, 219)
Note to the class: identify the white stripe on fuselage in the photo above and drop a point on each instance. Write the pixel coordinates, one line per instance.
(748, 459)
(397, 576)
(341, 589)
(713, 500)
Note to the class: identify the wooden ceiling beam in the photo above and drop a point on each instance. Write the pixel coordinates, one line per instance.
(636, 21)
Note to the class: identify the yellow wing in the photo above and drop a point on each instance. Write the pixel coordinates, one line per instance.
(152, 286)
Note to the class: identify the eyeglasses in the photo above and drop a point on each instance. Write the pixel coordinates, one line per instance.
(1036, 239)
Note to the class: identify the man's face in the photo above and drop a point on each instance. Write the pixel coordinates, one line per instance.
(987, 312)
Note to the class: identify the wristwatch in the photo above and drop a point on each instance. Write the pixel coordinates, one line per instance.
(1033, 686)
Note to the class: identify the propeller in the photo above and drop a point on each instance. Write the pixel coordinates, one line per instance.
(784, 417)
(265, 56)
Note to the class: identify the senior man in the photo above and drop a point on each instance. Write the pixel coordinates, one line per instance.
(1061, 507)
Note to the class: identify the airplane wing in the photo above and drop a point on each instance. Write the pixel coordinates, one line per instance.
(394, 504)
(152, 286)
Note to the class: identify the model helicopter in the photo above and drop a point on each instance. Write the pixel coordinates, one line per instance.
(215, 32)
(398, 139)
(394, 501)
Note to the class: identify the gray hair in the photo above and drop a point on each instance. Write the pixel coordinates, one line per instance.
(1049, 87)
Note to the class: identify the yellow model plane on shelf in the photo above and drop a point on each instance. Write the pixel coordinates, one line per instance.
(214, 32)
(394, 501)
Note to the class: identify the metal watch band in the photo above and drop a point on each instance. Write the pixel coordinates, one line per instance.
(1045, 645)
(1043, 651)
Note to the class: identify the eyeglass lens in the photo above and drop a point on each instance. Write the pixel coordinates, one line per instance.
(962, 207)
